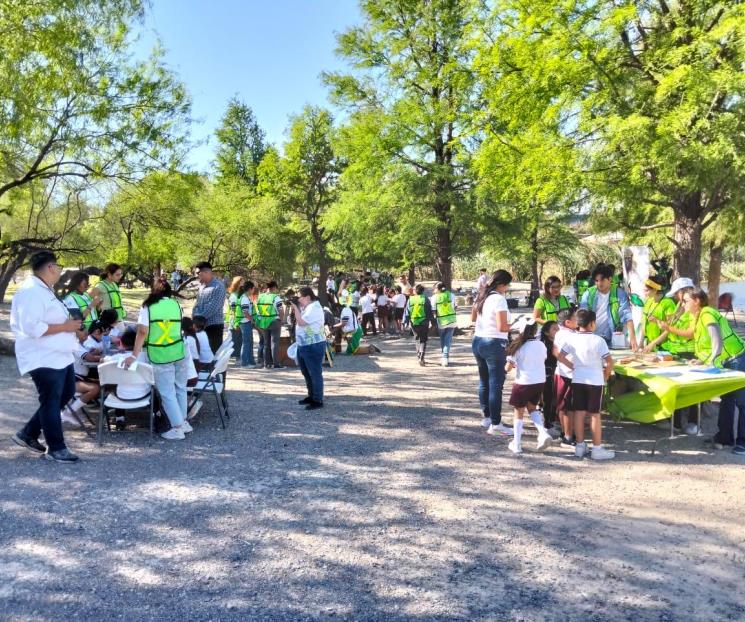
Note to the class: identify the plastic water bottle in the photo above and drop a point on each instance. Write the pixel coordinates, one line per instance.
(106, 344)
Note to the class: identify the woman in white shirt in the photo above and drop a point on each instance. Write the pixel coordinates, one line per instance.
(528, 355)
(310, 335)
(45, 343)
(492, 317)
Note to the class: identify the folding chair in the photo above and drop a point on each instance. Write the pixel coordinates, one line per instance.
(226, 346)
(215, 384)
(110, 374)
(724, 306)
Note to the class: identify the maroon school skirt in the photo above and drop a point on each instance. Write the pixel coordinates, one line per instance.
(587, 397)
(563, 393)
(524, 394)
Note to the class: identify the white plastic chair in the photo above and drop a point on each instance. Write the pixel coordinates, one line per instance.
(110, 374)
(215, 384)
(225, 345)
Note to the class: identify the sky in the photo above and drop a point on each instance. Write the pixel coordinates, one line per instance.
(268, 53)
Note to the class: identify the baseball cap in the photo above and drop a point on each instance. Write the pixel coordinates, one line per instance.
(679, 284)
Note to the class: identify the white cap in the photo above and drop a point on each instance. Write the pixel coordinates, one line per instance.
(679, 284)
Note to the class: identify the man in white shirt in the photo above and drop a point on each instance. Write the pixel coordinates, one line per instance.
(45, 344)
(483, 279)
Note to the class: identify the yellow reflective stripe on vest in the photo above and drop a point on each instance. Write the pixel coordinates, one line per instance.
(165, 343)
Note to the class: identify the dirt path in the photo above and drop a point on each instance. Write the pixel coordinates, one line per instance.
(389, 504)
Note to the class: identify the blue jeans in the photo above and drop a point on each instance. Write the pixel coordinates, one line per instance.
(490, 357)
(247, 338)
(56, 387)
(237, 336)
(727, 409)
(170, 380)
(311, 365)
(446, 340)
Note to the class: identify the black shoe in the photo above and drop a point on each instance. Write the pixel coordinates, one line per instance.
(278, 366)
(421, 362)
(305, 400)
(61, 455)
(314, 405)
(568, 441)
(28, 443)
(121, 424)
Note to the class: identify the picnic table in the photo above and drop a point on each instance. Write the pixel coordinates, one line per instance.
(648, 392)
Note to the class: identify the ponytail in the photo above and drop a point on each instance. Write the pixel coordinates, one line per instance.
(500, 277)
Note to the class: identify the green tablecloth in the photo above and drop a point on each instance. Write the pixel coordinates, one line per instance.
(663, 390)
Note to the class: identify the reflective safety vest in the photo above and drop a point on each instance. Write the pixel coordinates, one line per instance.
(266, 311)
(732, 344)
(417, 310)
(234, 309)
(581, 286)
(548, 309)
(164, 341)
(613, 304)
(83, 300)
(675, 344)
(445, 309)
(115, 297)
(661, 310)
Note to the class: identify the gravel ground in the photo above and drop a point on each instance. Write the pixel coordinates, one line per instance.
(389, 504)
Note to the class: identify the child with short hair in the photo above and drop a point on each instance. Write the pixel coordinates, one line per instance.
(527, 354)
(591, 365)
(563, 376)
(206, 356)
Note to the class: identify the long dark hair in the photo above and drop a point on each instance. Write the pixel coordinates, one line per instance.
(76, 279)
(164, 291)
(528, 333)
(187, 327)
(546, 331)
(552, 280)
(500, 277)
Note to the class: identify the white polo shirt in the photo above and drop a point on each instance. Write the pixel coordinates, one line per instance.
(33, 309)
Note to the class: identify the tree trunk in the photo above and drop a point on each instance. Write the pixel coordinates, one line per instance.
(444, 256)
(535, 284)
(8, 269)
(715, 273)
(323, 273)
(687, 253)
(412, 274)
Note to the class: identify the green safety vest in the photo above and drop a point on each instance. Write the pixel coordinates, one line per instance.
(732, 344)
(164, 341)
(266, 312)
(660, 310)
(548, 309)
(675, 344)
(581, 286)
(445, 310)
(83, 300)
(235, 309)
(417, 312)
(115, 297)
(613, 304)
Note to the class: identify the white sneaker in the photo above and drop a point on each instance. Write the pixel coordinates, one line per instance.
(691, 429)
(67, 417)
(580, 450)
(514, 447)
(186, 427)
(544, 441)
(444, 362)
(601, 453)
(499, 430)
(174, 434)
(486, 422)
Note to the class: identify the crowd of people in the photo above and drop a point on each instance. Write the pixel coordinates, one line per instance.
(561, 354)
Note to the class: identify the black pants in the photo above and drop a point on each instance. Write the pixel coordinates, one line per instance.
(269, 350)
(369, 319)
(214, 335)
(237, 342)
(549, 407)
(56, 387)
(421, 334)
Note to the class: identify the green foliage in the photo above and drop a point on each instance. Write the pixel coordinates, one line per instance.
(241, 144)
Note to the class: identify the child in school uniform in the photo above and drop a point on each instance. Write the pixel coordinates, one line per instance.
(206, 356)
(527, 354)
(591, 365)
(563, 377)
